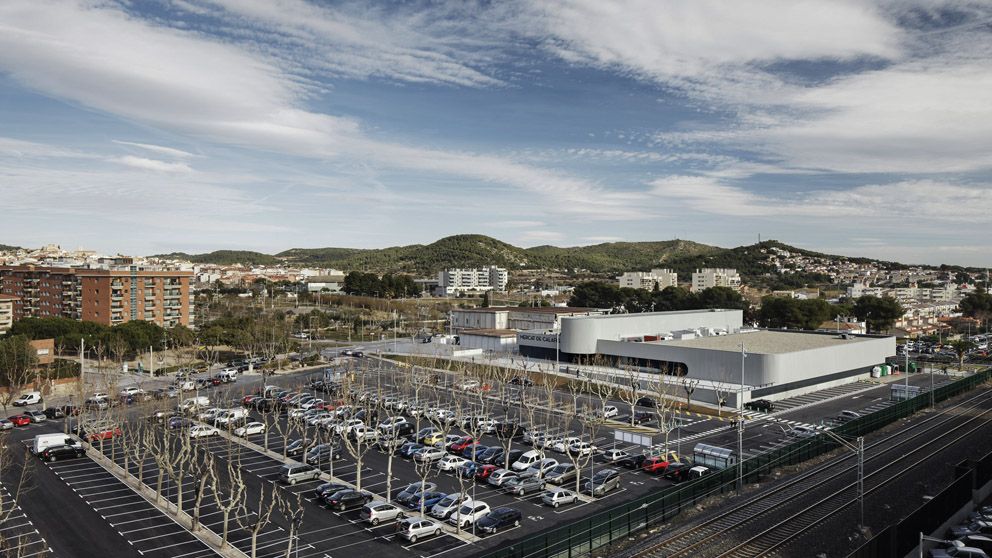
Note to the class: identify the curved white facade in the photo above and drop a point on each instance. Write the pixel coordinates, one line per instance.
(581, 335)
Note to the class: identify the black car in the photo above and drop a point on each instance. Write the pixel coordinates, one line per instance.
(493, 455)
(263, 404)
(425, 432)
(347, 499)
(400, 430)
(497, 519)
(508, 429)
(643, 417)
(677, 472)
(646, 402)
(762, 405)
(328, 488)
(298, 447)
(632, 461)
(518, 381)
(54, 413)
(55, 453)
(322, 453)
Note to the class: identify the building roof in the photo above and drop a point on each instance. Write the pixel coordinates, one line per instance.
(766, 341)
(530, 309)
(645, 314)
(490, 332)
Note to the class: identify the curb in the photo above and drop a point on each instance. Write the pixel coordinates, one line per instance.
(203, 534)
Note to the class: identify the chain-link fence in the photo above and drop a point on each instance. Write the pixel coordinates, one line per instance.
(584, 535)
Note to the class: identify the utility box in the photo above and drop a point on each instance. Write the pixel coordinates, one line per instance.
(902, 392)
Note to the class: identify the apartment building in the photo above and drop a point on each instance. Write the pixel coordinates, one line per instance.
(647, 280)
(490, 278)
(106, 296)
(6, 312)
(715, 277)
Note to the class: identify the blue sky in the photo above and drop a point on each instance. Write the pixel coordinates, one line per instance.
(862, 128)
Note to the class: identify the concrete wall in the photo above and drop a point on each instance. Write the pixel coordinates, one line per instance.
(487, 342)
(581, 335)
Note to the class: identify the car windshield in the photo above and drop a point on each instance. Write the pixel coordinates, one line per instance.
(465, 509)
(447, 501)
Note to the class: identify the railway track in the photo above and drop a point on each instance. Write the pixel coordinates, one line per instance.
(712, 532)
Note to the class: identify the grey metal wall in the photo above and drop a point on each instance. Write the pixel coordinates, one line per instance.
(581, 335)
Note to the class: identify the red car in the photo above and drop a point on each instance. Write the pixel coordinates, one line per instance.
(246, 400)
(482, 473)
(20, 420)
(102, 434)
(656, 465)
(458, 447)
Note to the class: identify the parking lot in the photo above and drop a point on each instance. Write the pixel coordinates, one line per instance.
(324, 532)
(18, 534)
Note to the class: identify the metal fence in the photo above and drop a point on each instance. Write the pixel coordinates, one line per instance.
(584, 535)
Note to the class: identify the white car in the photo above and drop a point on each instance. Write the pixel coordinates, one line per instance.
(391, 422)
(610, 411)
(200, 431)
(469, 513)
(562, 444)
(347, 426)
(614, 455)
(582, 449)
(470, 385)
(131, 391)
(365, 434)
(451, 463)
(249, 429)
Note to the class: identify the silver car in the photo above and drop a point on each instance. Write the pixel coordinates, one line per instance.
(449, 505)
(377, 512)
(523, 485)
(414, 528)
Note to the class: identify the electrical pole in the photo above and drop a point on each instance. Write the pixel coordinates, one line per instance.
(740, 427)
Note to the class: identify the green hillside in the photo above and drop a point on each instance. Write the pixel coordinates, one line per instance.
(617, 256)
(224, 257)
(8, 248)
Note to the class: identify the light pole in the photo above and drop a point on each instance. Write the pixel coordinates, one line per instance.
(740, 426)
(859, 448)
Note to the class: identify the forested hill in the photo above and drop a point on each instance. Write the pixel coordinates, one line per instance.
(471, 250)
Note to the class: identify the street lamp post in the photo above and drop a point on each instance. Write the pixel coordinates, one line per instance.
(740, 426)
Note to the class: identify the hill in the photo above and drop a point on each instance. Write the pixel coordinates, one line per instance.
(8, 248)
(224, 257)
(473, 250)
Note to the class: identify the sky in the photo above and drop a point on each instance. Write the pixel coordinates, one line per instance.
(142, 127)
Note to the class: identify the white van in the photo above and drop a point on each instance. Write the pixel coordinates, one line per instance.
(526, 460)
(227, 375)
(27, 398)
(45, 441)
(194, 402)
(230, 416)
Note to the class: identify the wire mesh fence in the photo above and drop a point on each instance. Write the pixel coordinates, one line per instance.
(582, 536)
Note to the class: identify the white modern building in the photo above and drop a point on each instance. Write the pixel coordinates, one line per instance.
(490, 278)
(710, 346)
(647, 280)
(496, 340)
(330, 282)
(715, 277)
(513, 317)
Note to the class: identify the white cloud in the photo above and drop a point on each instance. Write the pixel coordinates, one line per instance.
(12, 147)
(904, 202)
(160, 149)
(528, 238)
(713, 48)
(414, 44)
(151, 164)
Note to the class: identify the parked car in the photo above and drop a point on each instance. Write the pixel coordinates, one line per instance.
(429, 455)
(483, 472)
(497, 519)
(492, 455)
(473, 451)
(468, 469)
(292, 474)
(540, 468)
(5, 424)
(299, 447)
(610, 411)
(523, 485)
(179, 423)
(61, 451)
(426, 499)
(29, 398)
(410, 491)
(497, 476)
(677, 472)
(561, 473)
(646, 402)
(347, 499)
(457, 447)
(958, 552)
(54, 412)
(762, 405)
(972, 528)
(602, 482)
(981, 542)
(469, 513)
(249, 429)
(614, 455)
(378, 512)
(451, 463)
(322, 453)
(632, 462)
(20, 420)
(582, 449)
(655, 464)
(415, 528)
(325, 488)
(37, 416)
(526, 460)
(800, 431)
(448, 505)
(558, 497)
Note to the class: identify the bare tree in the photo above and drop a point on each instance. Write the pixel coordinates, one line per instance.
(292, 511)
(18, 361)
(629, 394)
(723, 392)
(228, 495)
(689, 386)
(203, 471)
(665, 405)
(268, 501)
